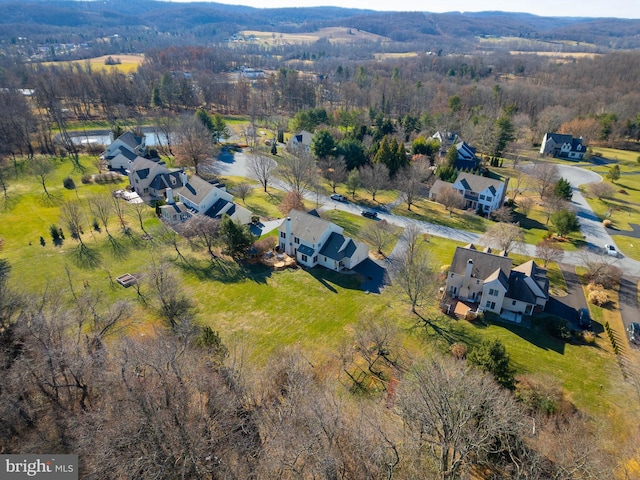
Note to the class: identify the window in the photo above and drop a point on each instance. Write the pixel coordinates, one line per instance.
(489, 199)
(325, 259)
(296, 240)
(491, 305)
(315, 259)
(283, 235)
(481, 197)
(304, 257)
(452, 275)
(513, 302)
(493, 292)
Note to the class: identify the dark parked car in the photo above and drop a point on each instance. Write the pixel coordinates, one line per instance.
(584, 320)
(634, 333)
(369, 214)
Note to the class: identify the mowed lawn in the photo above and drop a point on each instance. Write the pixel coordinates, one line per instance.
(259, 310)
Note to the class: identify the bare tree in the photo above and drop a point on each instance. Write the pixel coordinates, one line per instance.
(173, 304)
(600, 269)
(41, 168)
(334, 171)
(379, 234)
(525, 204)
(552, 204)
(503, 214)
(203, 232)
(374, 177)
(414, 273)
(292, 201)
(141, 211)
(545, 175)
(73, 217)
(549, 251)
(410, 182)
(243, 190)
(601, 190)
(457, 412)
(194, 144)
(119, 208)
(170, 237)
(299, 172)
(101, 207)
(450, 198)
(505, 236)
(261, 168)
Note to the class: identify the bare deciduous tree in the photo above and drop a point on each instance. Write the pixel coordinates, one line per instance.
(243, 190)
(73, 217)
(410, 182)
(549, 251)
(292, 201)
(261, 168)
(545, 175)
(299, 172)
(193, 145)
(379, 234)
(414, 272)
(450, 198)
(41, 168)
(203, 232)
(334, 171)
(374, 178)
(457, 412)
(601, 190)
(505, 236)
(599, 269)
(525, 204)
(503, 214)
(101, 207)
(173, 304)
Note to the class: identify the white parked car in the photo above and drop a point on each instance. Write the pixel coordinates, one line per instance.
(339, 198)
(611, 250)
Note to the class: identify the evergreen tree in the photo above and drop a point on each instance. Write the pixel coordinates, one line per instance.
(492, 357)
(563, 189)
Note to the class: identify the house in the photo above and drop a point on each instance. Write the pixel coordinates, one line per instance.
(491, 281)
(467, 159)
(479, 193)
(150, 177)
(122, 151)
(563, 146)
(197, 196)
(313, 241)
(301, 140)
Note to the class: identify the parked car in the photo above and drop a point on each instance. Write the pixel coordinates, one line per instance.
(584, 319)
(338, 198)
(634, 333)
(369, 214)
(611, 250)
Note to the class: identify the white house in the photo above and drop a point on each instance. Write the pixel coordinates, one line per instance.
(478, 192)
(313, 241)
(142, 172)
(562, 146)
(122, 151)
(489, 280)
(197, 196)
(301, 140)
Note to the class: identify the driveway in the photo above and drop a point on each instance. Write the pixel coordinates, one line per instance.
(628, 300)
(567, 307)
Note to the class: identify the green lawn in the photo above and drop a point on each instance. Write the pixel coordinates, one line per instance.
(259, 310)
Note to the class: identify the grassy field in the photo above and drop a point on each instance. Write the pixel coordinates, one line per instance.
(258, 310)
(128, 63)
(332, 34)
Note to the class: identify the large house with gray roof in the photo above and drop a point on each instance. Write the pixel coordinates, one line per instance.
(562, 146)
(150, 177)
(479, 193)
(313, 241)
(197, 196)
(490, 280)
(122, 151)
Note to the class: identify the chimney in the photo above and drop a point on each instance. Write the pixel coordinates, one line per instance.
(467, 274)
(169, 193)
(183, 178)
(288, 246)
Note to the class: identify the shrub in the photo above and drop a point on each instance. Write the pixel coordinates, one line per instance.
(266, 244)
(589, 337)
(607, 223)
(459, 351)
(540, 395)
(598, 296)
(557, 328)
(86, 179)
(68, 183)
(622, 191)
(109, 177)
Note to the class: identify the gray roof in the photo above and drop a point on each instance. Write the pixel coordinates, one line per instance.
(477, 184)
(131, 139)
(306, 250)
(500, 276)
(519, 290)
(217, 207)
(338, 247)
(559, 137)
(306, 227)
(122, 151)
(539, 275)
(484, 264)
(195, 190)
(142, 166)
(164, 180)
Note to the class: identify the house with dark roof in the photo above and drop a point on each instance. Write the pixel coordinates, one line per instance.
(467, 159)
(313, 241)
(301, 140)
(491, 281)
(143, 173)
(478, 192)
(122, 151)
(562, 146)
(197, 196)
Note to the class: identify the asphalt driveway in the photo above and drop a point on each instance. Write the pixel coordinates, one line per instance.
(567, 307)
(628, 300)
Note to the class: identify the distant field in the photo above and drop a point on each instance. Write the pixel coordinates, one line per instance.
(557, 54)
(333, 34)
(128, 63)
(384, 56)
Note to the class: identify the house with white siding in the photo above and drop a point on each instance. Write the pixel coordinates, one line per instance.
(313, 241)
(479, 193)
(562, 146)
